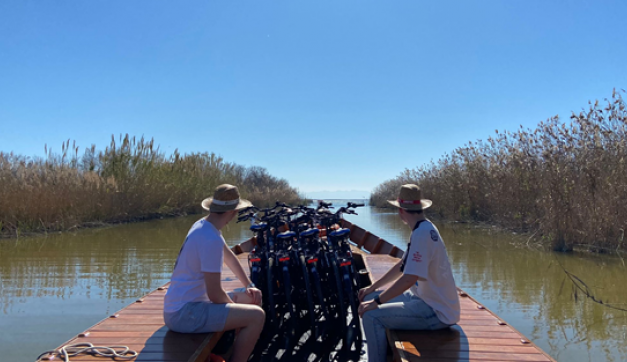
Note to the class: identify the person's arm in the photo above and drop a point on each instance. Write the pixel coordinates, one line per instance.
(400, 285)
(416, 269)
(391, 275)
(233, 263)
(215, 292)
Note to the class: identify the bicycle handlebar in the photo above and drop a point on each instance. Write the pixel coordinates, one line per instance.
(248, 209)
(326, 205)
(354, 204)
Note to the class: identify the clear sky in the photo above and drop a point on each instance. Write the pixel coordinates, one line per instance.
(331, 95)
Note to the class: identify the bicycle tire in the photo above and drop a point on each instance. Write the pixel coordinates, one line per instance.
(348, 285)
(318, 288)
(310, 304)
(271, 306)
(340, 293)
(288, 298)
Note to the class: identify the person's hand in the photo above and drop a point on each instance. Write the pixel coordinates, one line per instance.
(366, 306)
(363, 292)
(255, 295)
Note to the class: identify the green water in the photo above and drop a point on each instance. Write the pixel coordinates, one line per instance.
(53, 287)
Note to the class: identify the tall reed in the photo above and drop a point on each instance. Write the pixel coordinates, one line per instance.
(565, 181)
(130, 180)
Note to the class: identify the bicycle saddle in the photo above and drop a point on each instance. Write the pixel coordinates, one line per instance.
(310, 232)
(340, 233)
(259, 227)
(286, 235)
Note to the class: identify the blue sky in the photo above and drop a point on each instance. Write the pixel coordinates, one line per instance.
(331, 95)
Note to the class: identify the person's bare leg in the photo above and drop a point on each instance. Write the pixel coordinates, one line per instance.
(249, 319)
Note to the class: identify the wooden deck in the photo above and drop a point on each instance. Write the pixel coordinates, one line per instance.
(479, 336)
(140, 326)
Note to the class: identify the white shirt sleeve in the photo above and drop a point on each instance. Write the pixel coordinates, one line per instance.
(420, 251)
(211, 254)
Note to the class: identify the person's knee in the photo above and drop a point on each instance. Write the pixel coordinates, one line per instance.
(257, 315)
(371, 296)
(367, 317)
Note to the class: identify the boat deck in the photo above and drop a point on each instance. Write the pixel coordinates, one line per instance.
(479, 336)
(141, 327)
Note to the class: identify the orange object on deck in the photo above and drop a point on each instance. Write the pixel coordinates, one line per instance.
(214, 358)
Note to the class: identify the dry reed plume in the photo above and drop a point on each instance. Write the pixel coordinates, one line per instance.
(129, 180)
(564, 181)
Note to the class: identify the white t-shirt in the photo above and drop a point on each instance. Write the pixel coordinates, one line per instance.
(202, 252)
(427, 259)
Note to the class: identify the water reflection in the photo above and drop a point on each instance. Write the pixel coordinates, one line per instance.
(56, 286)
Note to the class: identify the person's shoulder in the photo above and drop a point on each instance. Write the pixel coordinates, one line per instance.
(426, 232)
(202, 230)
(434, 233)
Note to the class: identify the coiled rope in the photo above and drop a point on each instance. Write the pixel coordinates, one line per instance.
(72, 350)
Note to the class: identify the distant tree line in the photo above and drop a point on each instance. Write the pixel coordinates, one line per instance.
(564, 181)
(130, 180)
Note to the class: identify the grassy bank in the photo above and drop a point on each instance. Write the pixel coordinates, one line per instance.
(130, 180)
(564, 181)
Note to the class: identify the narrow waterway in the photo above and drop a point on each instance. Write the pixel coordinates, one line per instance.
(53, 287)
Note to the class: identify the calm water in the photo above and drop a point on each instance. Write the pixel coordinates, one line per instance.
(53, 287)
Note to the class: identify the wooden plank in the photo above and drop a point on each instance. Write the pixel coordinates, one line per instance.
(372, 241)
(394, 251)
(376, 249)
(413, 355)
(438, 345)
(386, 248)
(362, 241)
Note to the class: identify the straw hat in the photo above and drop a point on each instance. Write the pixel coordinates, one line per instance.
(410, 198)
(225, 198)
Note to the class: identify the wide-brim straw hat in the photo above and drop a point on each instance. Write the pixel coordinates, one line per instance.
(225, 198)
(410, 198)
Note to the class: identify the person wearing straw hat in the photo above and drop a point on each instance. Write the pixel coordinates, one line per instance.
(195, 301)
(422, 294)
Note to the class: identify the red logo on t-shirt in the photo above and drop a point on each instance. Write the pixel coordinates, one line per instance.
(417, 257)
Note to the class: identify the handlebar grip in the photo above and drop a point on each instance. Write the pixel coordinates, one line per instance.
(354, 204)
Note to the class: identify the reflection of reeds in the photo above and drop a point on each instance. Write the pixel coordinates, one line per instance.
(566, 181)
(129, 180)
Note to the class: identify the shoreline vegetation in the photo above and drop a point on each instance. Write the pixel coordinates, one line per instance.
(131, 180)
(564, 182)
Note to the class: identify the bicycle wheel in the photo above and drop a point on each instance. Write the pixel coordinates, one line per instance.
(270, 306)
(340, 292)
(315, 278)
(310, 304)
(353, 333)
(288, 297)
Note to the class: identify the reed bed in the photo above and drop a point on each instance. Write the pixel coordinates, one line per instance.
(564, 181)
(130, 180)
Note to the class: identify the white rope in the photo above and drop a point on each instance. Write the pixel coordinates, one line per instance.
(72, 350)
